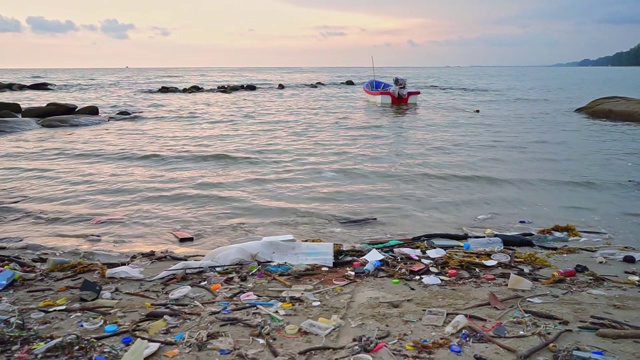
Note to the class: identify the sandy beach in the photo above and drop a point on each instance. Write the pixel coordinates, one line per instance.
(213, 323)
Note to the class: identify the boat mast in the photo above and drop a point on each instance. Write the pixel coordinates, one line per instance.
(373, 67)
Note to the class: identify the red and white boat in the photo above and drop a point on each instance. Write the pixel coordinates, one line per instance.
(383, 93)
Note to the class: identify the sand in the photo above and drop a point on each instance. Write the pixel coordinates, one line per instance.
(370, 306)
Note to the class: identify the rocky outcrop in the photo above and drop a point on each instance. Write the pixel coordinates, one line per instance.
(168, 89)
(6, 114)
(349, 82)
(13, 107)
(280, 86)
(87, 110)
(51, 109)
(613, 108)
(71, 121)
(18, 86)
(16, 125)
(42, 86)
(123, 113)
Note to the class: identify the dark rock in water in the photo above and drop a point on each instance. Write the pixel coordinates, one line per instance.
(320, 83)
(10, 240)
(221, 87)
(69, 107)
(233, 88)
(168, 89)
(13, 107)
(250, 87)
(47, 111)
(280, 86)
(18, 87)
(629, 259)
(242, 87)
(613, 108)
(349, 82)
(88, 110)
(313, 86)
(123, 113)
(193, 89)
(71, 121)
(17, 125)
(42, 86)
(6, 114)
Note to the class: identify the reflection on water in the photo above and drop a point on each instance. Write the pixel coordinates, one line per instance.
(269, 162)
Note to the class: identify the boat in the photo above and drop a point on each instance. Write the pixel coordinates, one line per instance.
(381, 93)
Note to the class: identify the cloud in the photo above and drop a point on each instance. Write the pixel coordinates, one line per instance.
(115, 29)
(329, 28)
(89, 27)
(43, 26)
(327, 34)
(9, 25)
(412, 43)
(161, 31)
(251, 30)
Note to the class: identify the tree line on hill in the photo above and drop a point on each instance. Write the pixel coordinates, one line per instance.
(622, 58)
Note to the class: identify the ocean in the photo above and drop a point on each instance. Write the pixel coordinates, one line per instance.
(225, 167)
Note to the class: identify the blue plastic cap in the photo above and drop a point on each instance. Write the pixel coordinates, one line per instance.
(466, 246)
(126, 340)
(100, 357)
(455, 349)
(598, 352)
(111, 328)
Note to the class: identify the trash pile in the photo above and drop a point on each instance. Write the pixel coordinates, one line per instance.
(287, 299)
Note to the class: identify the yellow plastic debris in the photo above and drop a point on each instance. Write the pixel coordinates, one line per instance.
(155, 327)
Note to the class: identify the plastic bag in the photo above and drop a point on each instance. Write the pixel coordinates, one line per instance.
(124, 272)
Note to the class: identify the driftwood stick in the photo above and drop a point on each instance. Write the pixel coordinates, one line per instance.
(544, 315)
(486, 303)
(321, 347)
(618, 334)
(636, 327)
(527, 353)
(490, 338)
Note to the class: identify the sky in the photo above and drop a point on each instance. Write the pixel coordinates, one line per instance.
(280, 33)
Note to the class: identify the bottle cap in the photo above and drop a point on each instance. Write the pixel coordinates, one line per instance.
(111, 328)
(395, 281)
(126, 340)
(455, 349)
(466, 246)
(100, 357)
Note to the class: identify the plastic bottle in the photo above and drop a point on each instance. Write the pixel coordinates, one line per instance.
(570, 272)
(455, 325)
(484, 244)
(52, 263)
(372, 265)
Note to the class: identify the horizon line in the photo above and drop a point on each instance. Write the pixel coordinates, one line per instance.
(267, 67)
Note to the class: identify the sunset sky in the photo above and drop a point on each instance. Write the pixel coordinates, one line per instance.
(163, 33)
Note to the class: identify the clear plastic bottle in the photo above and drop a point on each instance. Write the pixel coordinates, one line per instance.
(484, 244)
(456, 325)
(372, 265)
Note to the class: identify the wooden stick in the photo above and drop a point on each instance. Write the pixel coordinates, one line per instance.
(636, 327)
(618, 334)
(486, 303)
(139, 295)
(270, 313)
(527, 353)
(490, 338)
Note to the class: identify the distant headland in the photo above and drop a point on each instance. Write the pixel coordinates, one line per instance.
(622, 58)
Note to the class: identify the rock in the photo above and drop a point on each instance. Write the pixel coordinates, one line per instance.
(233, 88)
(320, 83)
(13, 107)
(42, 86)
(123, 113)
(6, 114)
(280, 86)
(193, 89)
(313, 86)
(613, 108)
(349, 82)
(16, 125)
(71, 121)
(47, 111)
(70, 107)
(18, 87)
(88, 110)
(168, 89)
(221, 87)
(250, 87)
